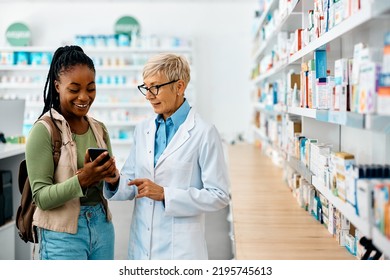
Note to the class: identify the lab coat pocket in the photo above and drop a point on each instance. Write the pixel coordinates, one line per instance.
(189, 242)
(177, 174)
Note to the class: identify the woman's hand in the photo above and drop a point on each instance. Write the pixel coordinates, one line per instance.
(147, 188)
(114, 179)
(92, 172)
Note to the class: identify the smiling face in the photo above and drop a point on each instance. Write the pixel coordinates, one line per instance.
(77, 91)
(169, 98)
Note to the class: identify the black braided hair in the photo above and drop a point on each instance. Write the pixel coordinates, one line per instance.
(63, 60)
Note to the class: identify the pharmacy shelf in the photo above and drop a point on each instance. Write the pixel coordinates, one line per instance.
(121, 123)
(290, 22)
(271, 5)
(381, 242)
(287, 22)
(29, 86)
(347, 209)
(261, 135)
(378, 123)
(46, 68)
(137, 50)
(276, 70)
(24, 68)
(362, 16)
(108, 50)
(350, 119)
(18, 86)
(9, 150)
(101, 105)
(346, 118)
(122, 105)
(120, 68)
(304, 112)
(299, 167)
(21, 81)
(337, 42)
(271, 110)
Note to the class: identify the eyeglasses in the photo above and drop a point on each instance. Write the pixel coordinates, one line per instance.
(153, 89)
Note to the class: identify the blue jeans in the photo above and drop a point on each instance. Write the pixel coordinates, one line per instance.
(94, 239)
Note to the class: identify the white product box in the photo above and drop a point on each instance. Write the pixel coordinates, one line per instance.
(350, 243)
(331, 225)
(352, 173)
(363, 198)
(368, 85)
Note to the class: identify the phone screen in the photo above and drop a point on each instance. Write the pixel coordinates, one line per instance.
(95, 152)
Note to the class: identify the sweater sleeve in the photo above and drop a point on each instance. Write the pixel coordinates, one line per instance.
(40, 166)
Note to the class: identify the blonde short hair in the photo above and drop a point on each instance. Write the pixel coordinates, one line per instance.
(171, 65)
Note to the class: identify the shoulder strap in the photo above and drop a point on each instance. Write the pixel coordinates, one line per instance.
(56, 139)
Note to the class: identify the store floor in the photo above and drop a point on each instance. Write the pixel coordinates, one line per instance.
(268, 223)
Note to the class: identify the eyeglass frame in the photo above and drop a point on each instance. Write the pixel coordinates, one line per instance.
(155, 86)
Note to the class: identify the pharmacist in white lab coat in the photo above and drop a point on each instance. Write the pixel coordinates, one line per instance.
(176, 170)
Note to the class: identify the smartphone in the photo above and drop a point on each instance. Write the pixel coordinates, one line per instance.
(95, 152)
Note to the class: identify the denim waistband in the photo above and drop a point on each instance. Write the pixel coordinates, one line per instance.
(91, 208)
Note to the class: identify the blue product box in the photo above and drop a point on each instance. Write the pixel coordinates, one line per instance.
(46, 58)
(384, 80)
(275, 93)
(387, 39)
(111, 41)
(123, 40)
(89, 41)
(36, 58)
(99, 79)
(79, 40)
(321, 66)
(101, 41)
(22, 58)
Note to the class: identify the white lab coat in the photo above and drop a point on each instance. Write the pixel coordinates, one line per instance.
(193, 171)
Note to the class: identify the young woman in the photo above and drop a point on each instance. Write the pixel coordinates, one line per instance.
(72, 215)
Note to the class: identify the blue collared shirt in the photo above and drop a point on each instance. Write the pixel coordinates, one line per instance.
(165, 130)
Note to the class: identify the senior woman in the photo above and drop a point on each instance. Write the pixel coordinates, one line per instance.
(176, 170)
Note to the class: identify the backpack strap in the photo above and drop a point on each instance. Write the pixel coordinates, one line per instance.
(56, 139)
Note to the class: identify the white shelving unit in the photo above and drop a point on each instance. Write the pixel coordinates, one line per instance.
(118, 102)
(12, 247)
(367, 136)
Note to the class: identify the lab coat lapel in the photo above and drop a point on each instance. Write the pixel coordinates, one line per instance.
(180, 137)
